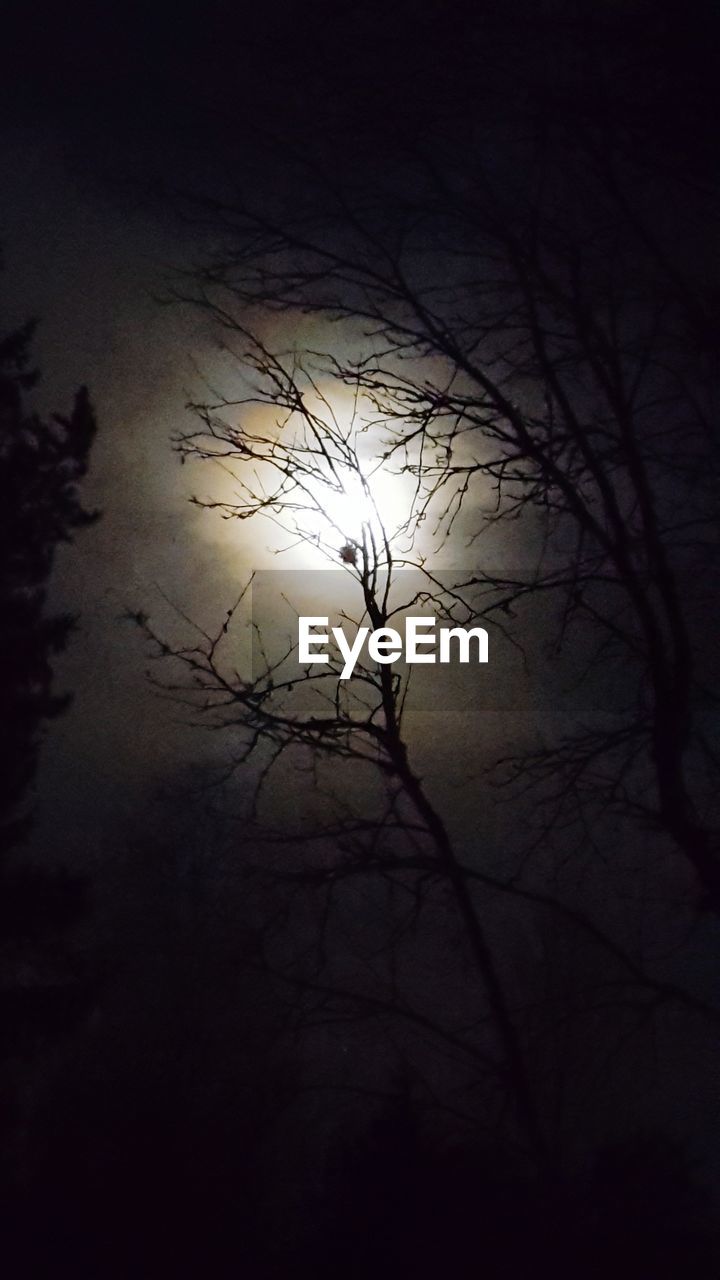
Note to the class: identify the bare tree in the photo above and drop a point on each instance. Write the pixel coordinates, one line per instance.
(532, 353)
(313, 465)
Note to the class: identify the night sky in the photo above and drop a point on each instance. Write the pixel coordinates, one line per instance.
(230, 1066)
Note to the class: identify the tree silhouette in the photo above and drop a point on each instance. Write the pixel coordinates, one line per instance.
(42, 992)
(517, 333)
(41, 463)
(532, 335)
(313, 470)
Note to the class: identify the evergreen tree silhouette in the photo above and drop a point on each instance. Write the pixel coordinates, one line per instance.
(41, 463)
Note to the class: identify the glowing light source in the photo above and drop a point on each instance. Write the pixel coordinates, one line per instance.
(351, 514)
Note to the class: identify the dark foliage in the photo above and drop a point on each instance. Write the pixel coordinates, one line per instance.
(42, 992)
(40, 466)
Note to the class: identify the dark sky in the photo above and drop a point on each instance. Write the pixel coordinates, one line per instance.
(215, 74)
